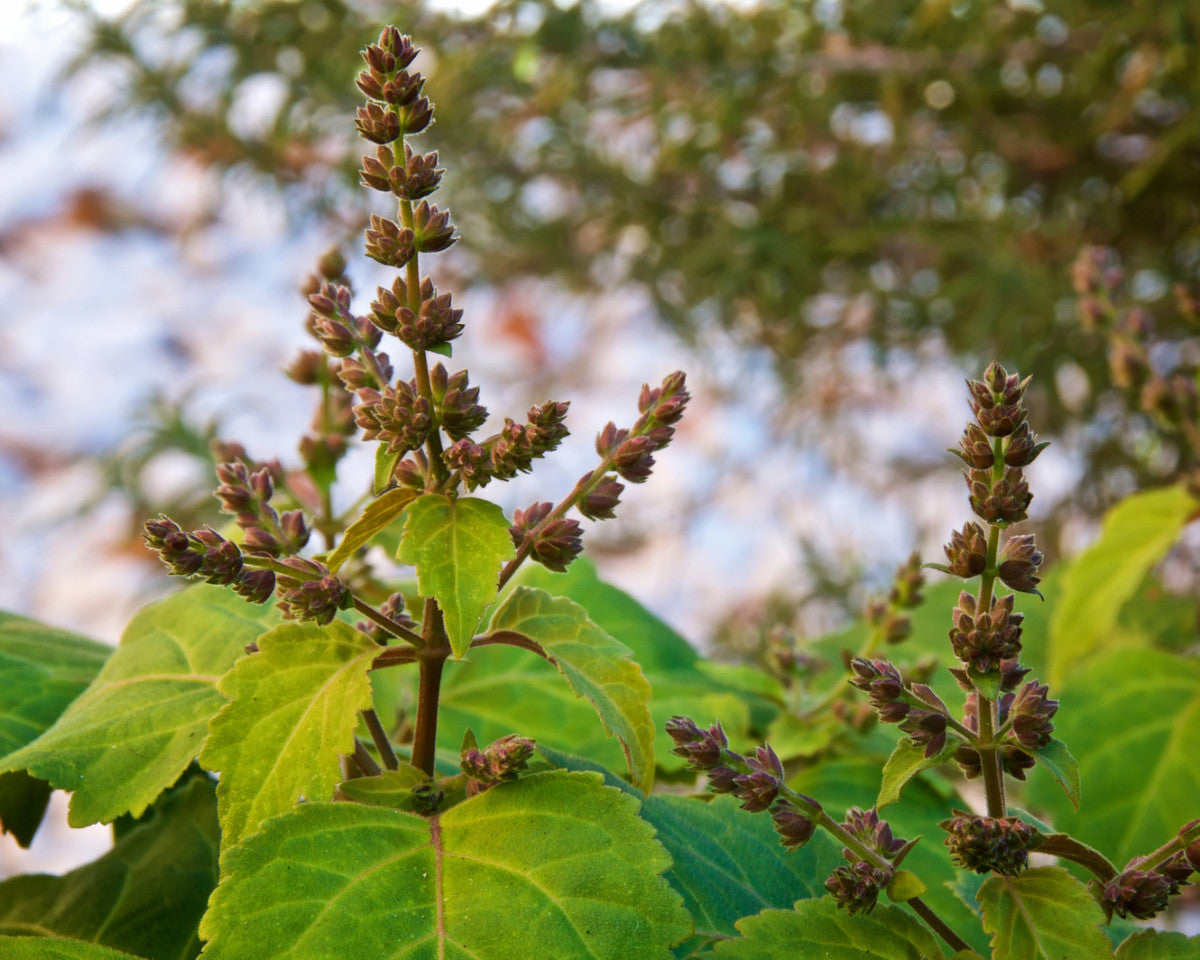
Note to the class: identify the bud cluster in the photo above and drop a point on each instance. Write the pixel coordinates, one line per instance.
(997, 447)
(983, 638)
(1140, 893)
(757, 781)
(206, 555)
(311, 592)
(552, 541)
(856, 884)
(398, 417)
(434, 324)
(985, 844)
(511, 451)
(501, 760)
(1028, 715)
(920, 712)
(246, 495)
(393, 609)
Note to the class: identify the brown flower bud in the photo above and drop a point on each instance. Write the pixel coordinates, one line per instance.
(431, 228)
(601, 501)
(967, 551)
(389, 243)
(1019, 562)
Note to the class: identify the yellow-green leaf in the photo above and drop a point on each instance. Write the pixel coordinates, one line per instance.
(595, 665)
(376, 518)
(553, 865)
(457, 546)
(292, 711)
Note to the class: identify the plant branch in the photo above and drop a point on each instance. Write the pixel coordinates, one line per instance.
(380, 738)
(366, 763)
(937, 924)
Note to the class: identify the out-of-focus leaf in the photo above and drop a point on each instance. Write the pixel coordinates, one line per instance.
(139, 724)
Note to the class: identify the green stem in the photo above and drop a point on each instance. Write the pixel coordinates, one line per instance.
(989, 756)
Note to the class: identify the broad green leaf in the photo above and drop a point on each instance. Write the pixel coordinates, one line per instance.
(729, 863)
(906, 761)
(375, 518)
(681, 683)
(1043, 914)
(145, 896)
(595, 666)
(817, 928)
(554, 865)
(1159, 945)
(47, 948)
(854, 781)
(1136, 535)
(457, 546)
(792, 737)
(42, 670)
(139, 724)
(293, 708)
(1130, 718)
(1056, 758)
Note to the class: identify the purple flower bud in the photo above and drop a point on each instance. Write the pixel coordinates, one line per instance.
(985, 844)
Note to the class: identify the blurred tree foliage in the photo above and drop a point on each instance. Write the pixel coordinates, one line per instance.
(889, 171)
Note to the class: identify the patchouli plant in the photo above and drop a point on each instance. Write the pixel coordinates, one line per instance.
(420, 728)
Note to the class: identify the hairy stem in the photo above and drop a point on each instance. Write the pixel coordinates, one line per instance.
(431, 658)
(937, 924)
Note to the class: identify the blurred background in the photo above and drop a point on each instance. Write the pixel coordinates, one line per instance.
(828, 212)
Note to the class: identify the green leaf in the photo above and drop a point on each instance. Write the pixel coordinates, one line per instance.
(904, 886)
(378, 515)
(817, 928)
(391, 788)
(146, 895)
(595, 666)
(906, 761)
(655, 645)
(1056, 758)
(553, 865)
(1131, 718)
(457, 546)
(729, 863)
(1043, 914)
(293, 708)
(48, 948)
(23, 802)
(1158, 945)
(139, 724)
(42, 670)
(385, 464)
(1136, 535)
